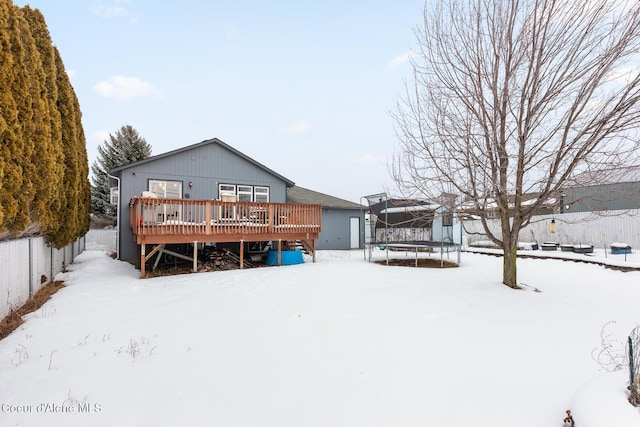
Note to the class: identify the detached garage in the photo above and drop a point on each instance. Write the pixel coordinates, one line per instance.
(342, 220)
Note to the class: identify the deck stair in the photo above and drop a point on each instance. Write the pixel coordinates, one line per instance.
(299, 245)
(236, 258)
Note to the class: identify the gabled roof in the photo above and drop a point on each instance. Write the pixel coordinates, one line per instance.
(606, 176)
(305, 196)
(288, 182)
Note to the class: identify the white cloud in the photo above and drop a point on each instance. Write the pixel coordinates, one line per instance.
(301, 126)
(399, 60)
(113, 9)
(125, 88)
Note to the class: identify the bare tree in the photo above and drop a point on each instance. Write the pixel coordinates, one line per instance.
(511, 101)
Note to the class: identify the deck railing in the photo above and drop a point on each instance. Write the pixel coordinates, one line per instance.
(155, 217)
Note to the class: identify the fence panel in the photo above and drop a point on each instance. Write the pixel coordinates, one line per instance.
(573, 228)
(27, 265)
(40, 263)
(14, 275)
(101, 240)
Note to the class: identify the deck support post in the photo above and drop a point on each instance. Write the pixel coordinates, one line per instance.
(279, 252)
(255, 222)
(142, 260)
(241, 254)
(195, 256)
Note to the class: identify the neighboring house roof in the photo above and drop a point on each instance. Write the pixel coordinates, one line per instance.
(198, 145)
(491, 204)
(606, 177)
(301, 195)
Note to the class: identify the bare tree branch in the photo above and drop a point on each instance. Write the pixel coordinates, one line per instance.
(510, 102)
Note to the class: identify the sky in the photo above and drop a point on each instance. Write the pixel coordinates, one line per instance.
(304, 88)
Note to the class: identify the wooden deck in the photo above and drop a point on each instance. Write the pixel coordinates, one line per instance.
(169, 221)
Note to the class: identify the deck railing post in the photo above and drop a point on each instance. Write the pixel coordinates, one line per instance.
(166, 221)
(207, 218)
(270, 219)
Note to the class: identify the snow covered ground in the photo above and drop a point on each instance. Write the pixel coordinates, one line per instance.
(341, 342)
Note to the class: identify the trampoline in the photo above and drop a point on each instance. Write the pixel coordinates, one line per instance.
(396, 221)
(420, 244)
(416, 245)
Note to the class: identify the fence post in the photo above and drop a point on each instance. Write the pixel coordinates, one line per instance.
(634, 398)
(30, 267)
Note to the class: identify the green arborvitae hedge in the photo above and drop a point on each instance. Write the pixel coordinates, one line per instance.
(43, 157)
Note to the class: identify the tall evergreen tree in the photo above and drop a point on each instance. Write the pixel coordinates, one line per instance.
(43, 158)
(125, 147)
(8, 121)
(72, 210)
(16, 183)
(83, 215)
(48, 143)
(35, 124)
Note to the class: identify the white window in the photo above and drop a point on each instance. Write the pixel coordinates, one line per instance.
(113, 199)
(245, 193)
(166, 189)
(261, 194)
(226, 189)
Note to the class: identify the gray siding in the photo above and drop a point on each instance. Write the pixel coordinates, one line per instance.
(205, 166)
(336, 233)
(621, 196)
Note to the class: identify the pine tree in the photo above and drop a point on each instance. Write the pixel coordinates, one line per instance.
(125, 147)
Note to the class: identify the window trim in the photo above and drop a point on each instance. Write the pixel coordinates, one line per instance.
(165, 215)
(257, 190)
(113, 196)
(243, 189)
(166, 182)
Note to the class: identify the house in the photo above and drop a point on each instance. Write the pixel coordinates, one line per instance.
(342, 221)
(605, 190)
(207, 192)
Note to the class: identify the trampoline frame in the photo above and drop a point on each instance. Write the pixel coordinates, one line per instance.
(414, 245)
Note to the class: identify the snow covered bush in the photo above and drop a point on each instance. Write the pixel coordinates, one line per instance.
(633, 352)
(614, 356)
